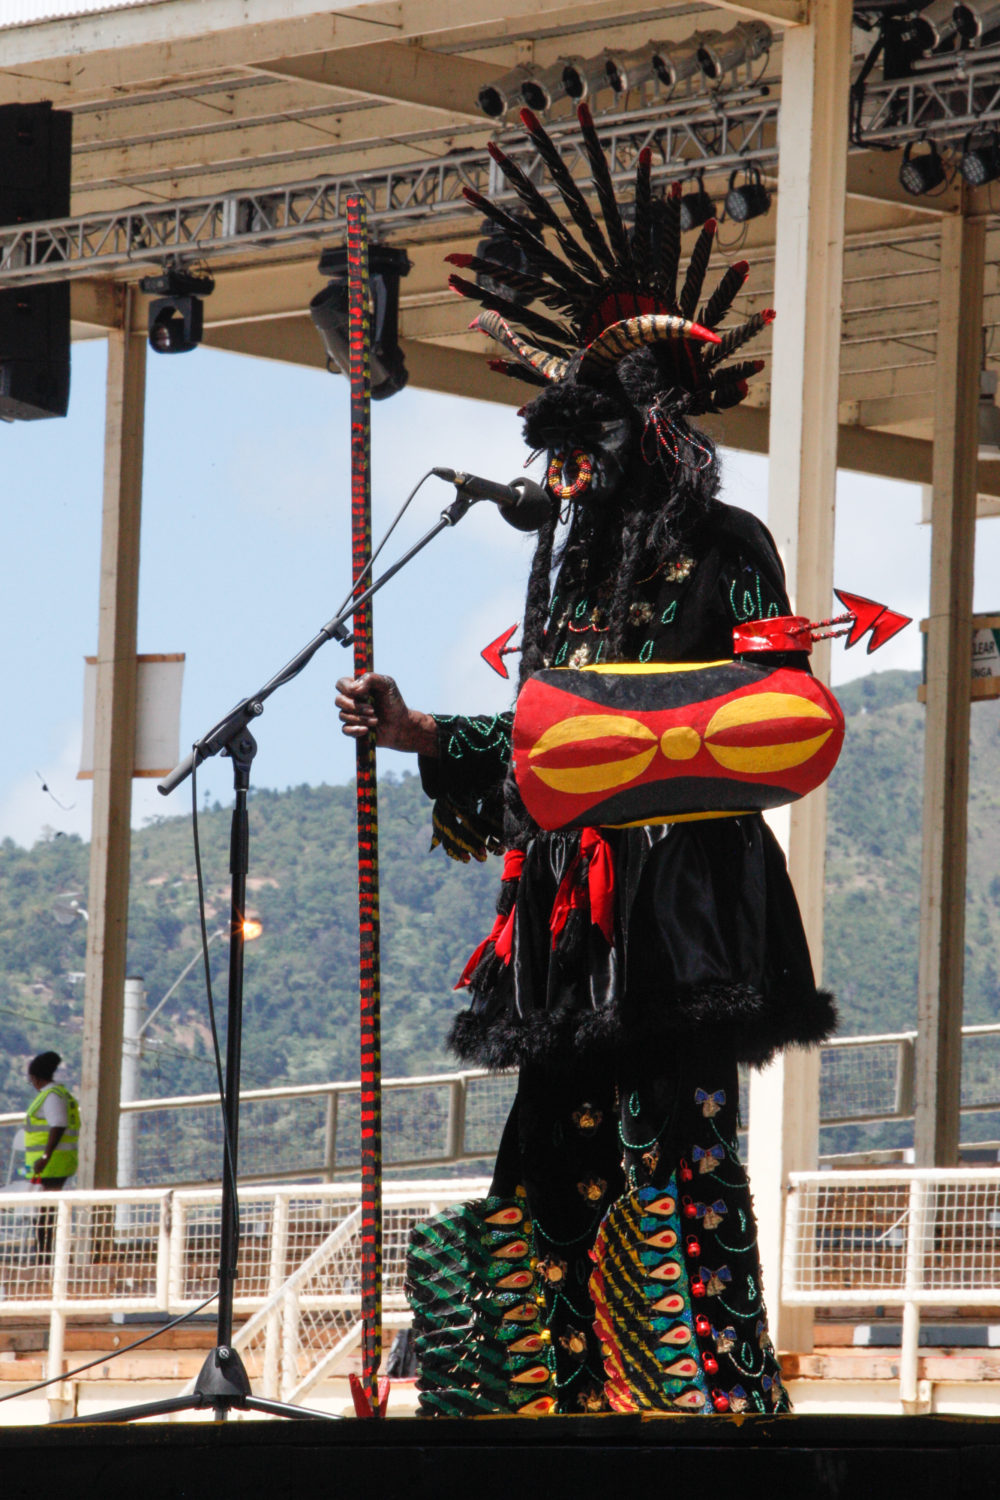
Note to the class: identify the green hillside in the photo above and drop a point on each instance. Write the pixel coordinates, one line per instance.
(301, 1007)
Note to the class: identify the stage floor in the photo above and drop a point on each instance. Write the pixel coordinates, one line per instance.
(814, 1458)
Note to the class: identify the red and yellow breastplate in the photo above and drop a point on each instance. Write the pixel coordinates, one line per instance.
(628, 744)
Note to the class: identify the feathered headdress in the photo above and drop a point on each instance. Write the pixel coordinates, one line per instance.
(614, 293)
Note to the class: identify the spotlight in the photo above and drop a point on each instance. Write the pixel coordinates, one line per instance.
(988, 417)
(697, 206)
(544, 89)
(921, 174)
(583, 77)
(673, 64)
(330, 312)
(176, 317)
(627, 70)
(495, 99)
(749, 201)
(933, 27)
(974, 19)
(980, 163)
(720, 52)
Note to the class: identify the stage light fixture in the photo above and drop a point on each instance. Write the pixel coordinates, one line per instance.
(697, 206)
(330, 311)
(932, 28)
(495, 99)
(921, 174)
(749, 201)
(176, 315)
(673, 64)
(629, 70)
(981, 163)
(583, 77)
(544, 89)
(975, 19)
(720, 53)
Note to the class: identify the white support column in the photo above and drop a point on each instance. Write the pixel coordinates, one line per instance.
(946, 731)
(114, 749)
(812, 172)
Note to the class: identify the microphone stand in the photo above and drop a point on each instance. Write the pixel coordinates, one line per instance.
(223, 1382)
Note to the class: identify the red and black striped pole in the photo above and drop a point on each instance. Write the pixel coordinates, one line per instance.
(368, 886)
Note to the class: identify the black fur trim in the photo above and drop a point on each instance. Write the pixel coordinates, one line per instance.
(734, 1018)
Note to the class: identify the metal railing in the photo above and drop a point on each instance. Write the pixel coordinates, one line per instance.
(299, 1280)
(453, 1121)
(914, 1239)
(432, 1122)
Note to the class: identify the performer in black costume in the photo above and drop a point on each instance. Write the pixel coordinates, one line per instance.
(629, 970)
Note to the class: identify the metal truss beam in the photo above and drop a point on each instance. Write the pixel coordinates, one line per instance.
(943, 102)
(703, 132)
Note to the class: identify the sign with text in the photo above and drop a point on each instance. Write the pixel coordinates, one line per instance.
(985, 658)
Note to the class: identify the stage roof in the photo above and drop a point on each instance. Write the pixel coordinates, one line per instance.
(228, 132)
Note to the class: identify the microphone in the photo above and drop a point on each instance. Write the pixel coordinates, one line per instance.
(523, 504)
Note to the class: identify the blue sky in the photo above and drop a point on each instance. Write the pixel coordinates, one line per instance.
(246, 552)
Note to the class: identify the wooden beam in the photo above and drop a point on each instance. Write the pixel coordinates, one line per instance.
(442, 83)
(946, 734)
(783, 13)
(97, 57)
(809, 255)
(114, 750)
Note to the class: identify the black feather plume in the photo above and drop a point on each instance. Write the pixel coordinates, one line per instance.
(544, 212)
(605, 189)
(669, 250)
(559, 337)
(642, 237)
(721, 299)
(539, 255)
(571, 194)
(533, 288)
(697, 266)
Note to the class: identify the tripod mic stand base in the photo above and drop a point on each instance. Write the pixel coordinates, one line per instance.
(222, 1383)
(222, 1380)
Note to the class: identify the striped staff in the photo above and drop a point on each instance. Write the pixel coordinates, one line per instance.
(367, 1397)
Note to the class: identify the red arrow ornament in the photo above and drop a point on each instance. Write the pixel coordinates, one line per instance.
(494, 653)
(883, 623)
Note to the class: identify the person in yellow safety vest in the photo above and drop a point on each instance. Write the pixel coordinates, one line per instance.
(51, 1139)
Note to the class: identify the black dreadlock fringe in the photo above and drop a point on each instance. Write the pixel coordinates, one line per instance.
(536, 604)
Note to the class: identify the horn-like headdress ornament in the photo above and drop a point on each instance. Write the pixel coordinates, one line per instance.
(611, 295)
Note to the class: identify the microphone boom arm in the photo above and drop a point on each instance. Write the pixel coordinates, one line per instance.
(233, 723)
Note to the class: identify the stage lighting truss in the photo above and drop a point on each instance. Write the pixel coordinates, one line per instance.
(176, 314)
(713, 133)
(940, 97)
(705, 59)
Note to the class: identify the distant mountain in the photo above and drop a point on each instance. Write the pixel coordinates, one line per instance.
(301, 976)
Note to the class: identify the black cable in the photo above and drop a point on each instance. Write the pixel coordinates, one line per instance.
(104, 1359)
(371, 561)
(227, 1145)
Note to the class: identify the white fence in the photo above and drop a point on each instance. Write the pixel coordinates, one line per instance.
(914, 1239)
(92, 1254)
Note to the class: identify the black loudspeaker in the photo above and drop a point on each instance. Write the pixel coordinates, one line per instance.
(35, 142)
(35, 170)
